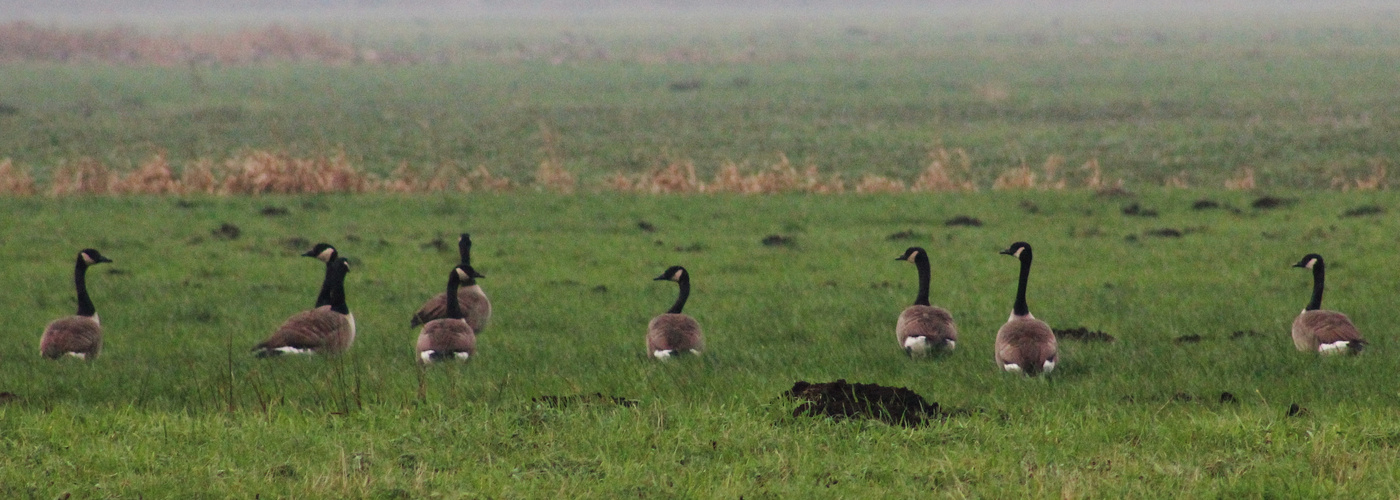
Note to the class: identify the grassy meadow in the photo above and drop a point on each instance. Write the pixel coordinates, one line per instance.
(176, 395)
(1228, 106)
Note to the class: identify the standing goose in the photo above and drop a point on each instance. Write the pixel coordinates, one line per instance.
(674, 333)
(79, 335)
(923, 328)
(329, 328)
(476, 308)
(1320, 330)
(1025, 344)
(449, 337)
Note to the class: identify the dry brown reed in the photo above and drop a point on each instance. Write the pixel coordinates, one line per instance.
(262, 172)
(551, 175)
(1374, 181)
(946, 171)
(880, 184)
(82, 177)
(14, 181)
(24, 41)
(152, 177)
(1243, 181)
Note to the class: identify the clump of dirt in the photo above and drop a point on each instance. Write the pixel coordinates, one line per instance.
(903, 235)
(1297, 411)
(1240, 334)
(596, 398)
(691, 248)
(1136, 210)
(270, 211)
(1030, 207)
(1165, 232)
(1204, 204)
(1269, 202)
(1363, 211)
(963, 220)
(778, 240)
(840, 400)
(1183, 397)
(226, 231)
(1187, 339)
(437, 244)
(646, 226)
(1083, 334)
(8, 397)
(1227, 398)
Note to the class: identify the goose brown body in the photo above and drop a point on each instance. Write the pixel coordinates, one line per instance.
(74, 335)
(675, 334)
(1026, 343)
(476, 308)
(81, 334)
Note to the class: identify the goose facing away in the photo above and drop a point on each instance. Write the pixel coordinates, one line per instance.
(1024, 344)
(923, 328)
(449, 337)
(476, 308)
(1319, 330)
(675, 333)
(326, 329)
(79, 335)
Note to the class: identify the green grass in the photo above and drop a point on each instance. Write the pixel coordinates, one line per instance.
(170, 411)
(1300, 96)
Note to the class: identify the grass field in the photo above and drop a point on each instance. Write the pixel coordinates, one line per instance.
(1200, 300)
(175, 394)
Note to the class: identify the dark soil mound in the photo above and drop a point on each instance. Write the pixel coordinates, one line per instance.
(1188, 339)
(273, 211)
(1204, 204)
(840, 400)
(1363, 211)
(8, 397)
(646, 226)
(903, 235)
(963, 220)
(226, 231)
(1227, 398)
(1240, 334)
(778, 240)
(595, 398)
(1136, 210)
(1083, 335)
(1165, 232)
(1268, 202)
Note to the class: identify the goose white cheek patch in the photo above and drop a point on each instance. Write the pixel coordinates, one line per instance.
(677, 276)
(325, 255)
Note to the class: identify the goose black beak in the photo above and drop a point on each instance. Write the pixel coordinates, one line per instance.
(662, 278)
(103, 259)
(1007, 252)
(1300, 264)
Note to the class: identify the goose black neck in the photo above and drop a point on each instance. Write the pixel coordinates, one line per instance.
(685, 293)
(85, 307)
(323, 298)
(335, 289)
(464, 252)
(921, 262)
(454, 308)
(1319, 276)
(1021, 309)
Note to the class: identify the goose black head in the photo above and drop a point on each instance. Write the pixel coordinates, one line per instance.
(1309, 261)
(1019, 249)
(323, 251)
(90, 256)
(673, 273)
(912, 253)
(464, 248)
(342, 264)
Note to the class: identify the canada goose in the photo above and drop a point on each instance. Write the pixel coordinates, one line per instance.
(448, 337)
(923, 328)
(1320, 330)
(476, 308)
(674, 333)
(329, 328)
(79, 335)
(1025, 344)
